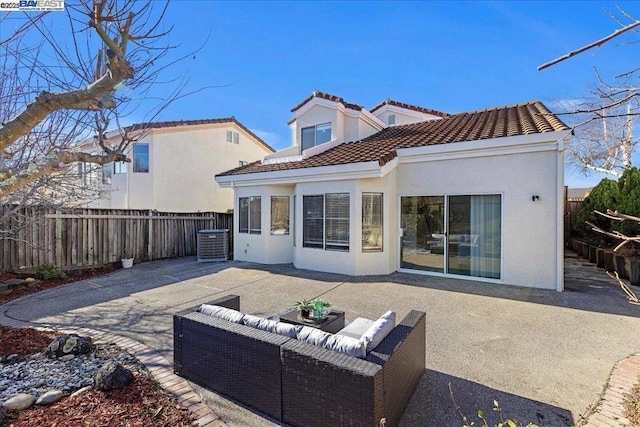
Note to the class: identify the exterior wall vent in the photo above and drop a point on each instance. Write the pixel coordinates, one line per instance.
(392, 119)
(213, 245)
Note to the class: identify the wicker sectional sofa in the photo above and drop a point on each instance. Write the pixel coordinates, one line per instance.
(297, 383)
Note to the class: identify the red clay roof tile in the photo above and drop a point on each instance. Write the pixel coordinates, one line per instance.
(409, 107)
(522, 119)
(318, 94)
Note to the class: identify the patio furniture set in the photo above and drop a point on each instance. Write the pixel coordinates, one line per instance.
(296, 372)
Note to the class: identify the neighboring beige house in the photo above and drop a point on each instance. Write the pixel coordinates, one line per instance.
(173, 164)
(477, 195)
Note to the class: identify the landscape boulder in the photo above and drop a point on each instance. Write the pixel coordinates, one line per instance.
(49, 397)
(20, 402)
(69, 344)
(112, 375)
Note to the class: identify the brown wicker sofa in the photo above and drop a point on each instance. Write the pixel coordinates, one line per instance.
(297, 383)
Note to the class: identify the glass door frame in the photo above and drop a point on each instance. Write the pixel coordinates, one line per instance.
(446, 248)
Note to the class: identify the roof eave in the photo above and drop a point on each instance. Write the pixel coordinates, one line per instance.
(340, 172)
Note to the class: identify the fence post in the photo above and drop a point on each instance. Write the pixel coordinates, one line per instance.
(150, 240)
(58, 231)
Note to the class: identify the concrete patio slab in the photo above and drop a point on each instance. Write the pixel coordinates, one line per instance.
(544, 355)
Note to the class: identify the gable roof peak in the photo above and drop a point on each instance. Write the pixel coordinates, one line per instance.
(406, 106)
(179, 123)
(333, 98)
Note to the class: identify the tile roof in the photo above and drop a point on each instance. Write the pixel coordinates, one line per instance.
(522, 119)
(409, 107)
(328, 97)
(168, 124)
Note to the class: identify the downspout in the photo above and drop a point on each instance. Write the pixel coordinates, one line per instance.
(560, 211)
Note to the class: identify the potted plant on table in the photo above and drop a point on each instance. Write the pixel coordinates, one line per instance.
(319, 308)
(304, 307)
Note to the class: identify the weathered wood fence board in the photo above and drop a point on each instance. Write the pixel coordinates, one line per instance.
(84, 237)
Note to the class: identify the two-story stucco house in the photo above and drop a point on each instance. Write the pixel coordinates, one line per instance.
(475, 195)
(172, 164)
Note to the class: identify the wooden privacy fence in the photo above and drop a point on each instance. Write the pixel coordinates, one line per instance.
(35, 236)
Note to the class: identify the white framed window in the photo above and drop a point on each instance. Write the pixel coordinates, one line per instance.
(279, 215)
(243, 215)
(391, 119)
(107, 170)
(326, 221)
(250, 215)
(255, 215)
(140, 158)
(316, 135)
(372, 207)
(233, 137)
(119, 167)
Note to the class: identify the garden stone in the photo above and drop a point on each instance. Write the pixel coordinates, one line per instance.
(112, 375)
(69, 344)
(81, 391)
(20, 402)
(66, 358)
(49, 397)
(2, 412)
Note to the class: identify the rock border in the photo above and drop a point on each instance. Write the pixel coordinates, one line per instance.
(159, 367)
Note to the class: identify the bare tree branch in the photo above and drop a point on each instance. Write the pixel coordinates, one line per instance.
(599, 42)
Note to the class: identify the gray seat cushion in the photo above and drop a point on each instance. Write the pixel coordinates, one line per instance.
(357, 328)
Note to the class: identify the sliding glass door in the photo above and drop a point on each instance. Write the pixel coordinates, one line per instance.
(423, 240)
(452, 234)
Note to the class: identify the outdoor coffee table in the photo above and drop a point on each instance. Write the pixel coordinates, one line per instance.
(332, 323)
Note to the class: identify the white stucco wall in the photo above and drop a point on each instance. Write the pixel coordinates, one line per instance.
(343, 262)
(529, 229)
(384, 262)
(182, 165)
(317, 115)
(403, 115)
(264, 248)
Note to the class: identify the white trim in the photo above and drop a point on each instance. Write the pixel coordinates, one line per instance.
(483, 148)
(419, 116)
(561, 146)
(372, 120)
(293, 176)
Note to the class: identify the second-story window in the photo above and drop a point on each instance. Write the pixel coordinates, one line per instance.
(316, 135)
(141, 158)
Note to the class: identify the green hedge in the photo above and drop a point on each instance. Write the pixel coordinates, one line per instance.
(622, 196)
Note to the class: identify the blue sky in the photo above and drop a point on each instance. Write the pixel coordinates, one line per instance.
(448, 56)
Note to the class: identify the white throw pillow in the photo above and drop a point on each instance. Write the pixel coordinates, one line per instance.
(313, 336)
(280, 328)
(379, 330)
(347, 345)
(223, 313)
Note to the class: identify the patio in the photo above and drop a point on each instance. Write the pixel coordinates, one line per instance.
(545, 356)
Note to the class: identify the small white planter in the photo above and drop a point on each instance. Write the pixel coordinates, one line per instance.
(127, 262)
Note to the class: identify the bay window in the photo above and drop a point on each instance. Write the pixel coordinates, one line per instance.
(280, 215)
(372, 222)
(250, 215)
(325, 221)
